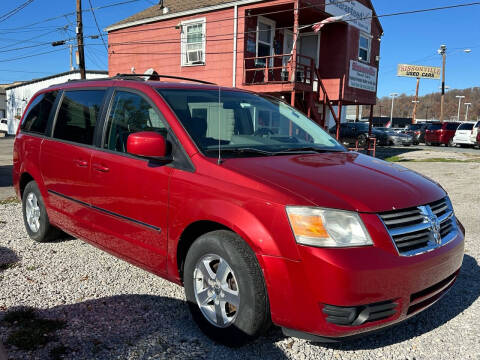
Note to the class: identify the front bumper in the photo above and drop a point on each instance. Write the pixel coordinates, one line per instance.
(357, 277)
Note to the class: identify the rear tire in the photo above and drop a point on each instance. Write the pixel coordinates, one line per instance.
(232, 307)
(35, 215)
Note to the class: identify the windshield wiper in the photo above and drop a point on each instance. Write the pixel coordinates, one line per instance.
(252, 151)
(306, 149)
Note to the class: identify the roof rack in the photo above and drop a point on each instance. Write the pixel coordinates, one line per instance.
(157, 77)
(144, 77)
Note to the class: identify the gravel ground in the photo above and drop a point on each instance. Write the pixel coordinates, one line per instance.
(113, 310)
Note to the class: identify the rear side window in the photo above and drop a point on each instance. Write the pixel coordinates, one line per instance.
(466, 126)
(452, 126)
(36, 119)
(434, 126)
(78, 116)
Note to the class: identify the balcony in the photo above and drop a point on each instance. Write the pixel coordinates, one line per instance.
(274, 73)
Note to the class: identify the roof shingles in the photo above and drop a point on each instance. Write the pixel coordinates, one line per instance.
(174, 6)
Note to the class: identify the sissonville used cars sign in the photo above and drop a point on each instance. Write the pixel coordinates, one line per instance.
(419, 71)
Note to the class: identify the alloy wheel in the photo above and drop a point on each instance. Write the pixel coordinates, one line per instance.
(216, 290)
(32, 210)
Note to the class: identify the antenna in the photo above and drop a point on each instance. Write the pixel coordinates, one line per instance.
(219, 162)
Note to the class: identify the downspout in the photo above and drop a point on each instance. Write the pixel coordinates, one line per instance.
(235, 30)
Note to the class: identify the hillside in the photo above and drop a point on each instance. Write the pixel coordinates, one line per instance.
(429, 106)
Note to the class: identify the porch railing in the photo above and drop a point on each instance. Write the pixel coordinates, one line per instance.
(278, 69)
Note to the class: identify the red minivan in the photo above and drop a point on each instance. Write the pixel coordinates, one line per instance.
(441, 133)
(252, 207)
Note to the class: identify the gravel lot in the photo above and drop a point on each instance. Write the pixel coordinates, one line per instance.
(113, 310)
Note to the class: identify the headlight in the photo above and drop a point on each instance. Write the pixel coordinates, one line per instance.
(327, 228)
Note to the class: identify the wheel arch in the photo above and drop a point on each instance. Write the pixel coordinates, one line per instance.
(192, 232)
(25, 178)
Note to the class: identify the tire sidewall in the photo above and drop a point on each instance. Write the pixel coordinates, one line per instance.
(40, 235)
(247, 324)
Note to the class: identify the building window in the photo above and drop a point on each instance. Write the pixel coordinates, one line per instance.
(364, 47)
(193, 42)
(265, 35)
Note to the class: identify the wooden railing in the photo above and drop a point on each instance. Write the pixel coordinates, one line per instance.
(278, 69)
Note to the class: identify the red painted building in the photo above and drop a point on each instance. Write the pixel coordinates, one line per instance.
(253, 44)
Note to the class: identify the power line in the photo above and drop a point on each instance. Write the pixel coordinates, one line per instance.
(31, 55)
(96, 23)
(71, 13)
(15, 11)
(316, 6)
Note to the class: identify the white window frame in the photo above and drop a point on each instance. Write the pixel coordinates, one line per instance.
(369, 49)
(184, 25)
(271, 23)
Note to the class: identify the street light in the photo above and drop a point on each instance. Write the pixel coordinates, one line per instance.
(393, 95)
(443, 51)
(466, 112)
(459, 97)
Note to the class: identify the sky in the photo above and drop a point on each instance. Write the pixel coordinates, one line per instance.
(411, 39)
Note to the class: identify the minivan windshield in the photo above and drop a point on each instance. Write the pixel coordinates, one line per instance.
(244, 124)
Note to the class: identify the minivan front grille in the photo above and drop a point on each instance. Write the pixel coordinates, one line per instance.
(420, 229)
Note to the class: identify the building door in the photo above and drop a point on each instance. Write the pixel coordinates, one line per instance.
(309, 45)
(265, 36)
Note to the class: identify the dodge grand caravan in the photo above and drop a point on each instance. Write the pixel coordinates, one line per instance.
(253, 208)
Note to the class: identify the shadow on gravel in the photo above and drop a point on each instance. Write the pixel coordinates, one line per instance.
(388, 151)
(6, 175)
(8, 258)
(139, 327)
(462, 294)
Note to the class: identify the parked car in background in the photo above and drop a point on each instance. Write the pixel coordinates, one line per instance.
(475, 132)
(350, 133)
(3, 126)
(441, 133)
(417, 131)
(463, 134)
(241, 199)
(396, 138)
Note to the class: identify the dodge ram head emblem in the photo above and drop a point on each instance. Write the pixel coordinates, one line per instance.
(432, 219)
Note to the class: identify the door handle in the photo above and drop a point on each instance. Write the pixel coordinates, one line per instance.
(81, 163)
(101, 168)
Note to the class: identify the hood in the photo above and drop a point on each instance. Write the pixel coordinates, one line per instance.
(346, 180)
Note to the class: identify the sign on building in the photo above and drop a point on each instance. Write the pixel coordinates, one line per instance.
(362, 76)
(360, 15)
(419, 71)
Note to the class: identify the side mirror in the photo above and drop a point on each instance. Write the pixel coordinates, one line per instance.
(148, 144)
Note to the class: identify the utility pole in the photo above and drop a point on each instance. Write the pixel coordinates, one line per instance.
(81, 54)
(443, 51)
(466, 112)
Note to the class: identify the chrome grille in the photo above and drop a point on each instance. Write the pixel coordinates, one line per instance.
(420, 229)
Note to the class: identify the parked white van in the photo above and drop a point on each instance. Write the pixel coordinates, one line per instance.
(463, 134)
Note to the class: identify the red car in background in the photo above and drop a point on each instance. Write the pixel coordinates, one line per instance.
(441, 133)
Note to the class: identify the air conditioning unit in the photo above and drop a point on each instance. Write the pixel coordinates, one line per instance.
(195, 56)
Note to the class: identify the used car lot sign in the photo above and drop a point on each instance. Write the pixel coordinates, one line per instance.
(419, 71)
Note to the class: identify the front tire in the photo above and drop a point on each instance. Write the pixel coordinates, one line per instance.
(35, 215)
(225, 289)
